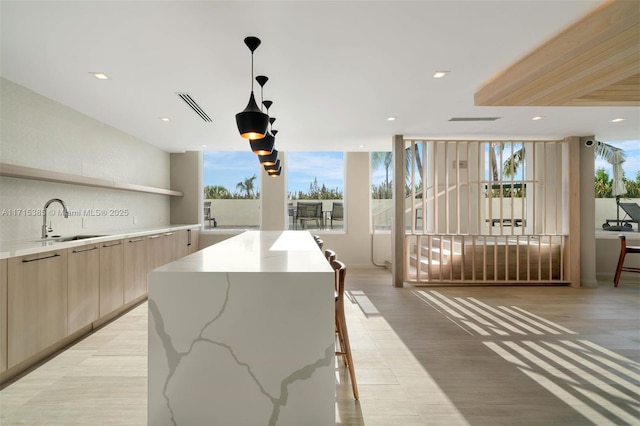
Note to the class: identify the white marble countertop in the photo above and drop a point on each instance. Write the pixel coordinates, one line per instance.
(36, 245)
(256, 251)
(243, 333)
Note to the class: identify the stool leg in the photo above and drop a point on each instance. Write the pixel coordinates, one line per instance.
(347, 350)
(619, 268)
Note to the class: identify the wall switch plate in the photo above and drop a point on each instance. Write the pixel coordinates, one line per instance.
(84, 223)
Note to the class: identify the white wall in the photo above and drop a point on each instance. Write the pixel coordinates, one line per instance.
(186, 177)
(38, 132)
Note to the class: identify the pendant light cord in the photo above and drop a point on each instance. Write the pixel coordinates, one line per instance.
(252, 71)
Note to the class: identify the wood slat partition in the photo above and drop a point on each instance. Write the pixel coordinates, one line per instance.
(515, 232)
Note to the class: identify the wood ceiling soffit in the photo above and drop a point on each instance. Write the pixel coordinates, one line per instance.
(595, 62)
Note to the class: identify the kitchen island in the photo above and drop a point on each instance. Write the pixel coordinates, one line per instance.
(242, 333)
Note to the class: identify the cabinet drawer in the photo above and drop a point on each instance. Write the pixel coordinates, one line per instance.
(111, 276)
(83, 286)
(37, 303)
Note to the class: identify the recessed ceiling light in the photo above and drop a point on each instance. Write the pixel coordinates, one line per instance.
(617, 120)
(440, 74)
(203, 145)
(537, 117)
(100, 75)
(392, 118)
(361, 146)
(165, 119)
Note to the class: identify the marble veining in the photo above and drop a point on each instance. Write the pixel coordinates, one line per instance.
(173, 356)
(241, 347)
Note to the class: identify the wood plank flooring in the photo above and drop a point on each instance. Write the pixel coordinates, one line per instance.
(431, 356)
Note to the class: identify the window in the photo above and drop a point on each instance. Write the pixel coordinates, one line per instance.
(609, 215)
(231, 190)
(315, 190)
(381, 189)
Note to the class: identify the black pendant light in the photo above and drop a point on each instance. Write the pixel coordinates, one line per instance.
(265, 145)
(275, 173)
(273, 167)
(252, 122)
(269, 160)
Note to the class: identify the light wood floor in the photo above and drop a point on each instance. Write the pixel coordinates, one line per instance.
(430, 356)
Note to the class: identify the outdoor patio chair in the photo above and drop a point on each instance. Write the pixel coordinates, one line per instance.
(207, 214)
(337, 212)
(632, 215)
(308, 212)
(292, 214)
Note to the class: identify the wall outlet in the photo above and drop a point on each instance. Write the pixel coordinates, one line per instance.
(84, 223)
(135, 219)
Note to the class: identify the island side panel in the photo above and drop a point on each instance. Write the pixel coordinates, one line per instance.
(241, 348)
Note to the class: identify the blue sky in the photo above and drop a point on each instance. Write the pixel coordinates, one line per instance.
(631, 166)
(230, 167)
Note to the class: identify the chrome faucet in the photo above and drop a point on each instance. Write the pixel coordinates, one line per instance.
(44, 215)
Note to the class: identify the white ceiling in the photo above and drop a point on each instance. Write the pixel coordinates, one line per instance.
(337, 69)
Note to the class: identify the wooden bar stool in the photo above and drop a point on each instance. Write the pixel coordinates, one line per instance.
(330, 255)
(341, 324)
(319, 241)
(624, 249)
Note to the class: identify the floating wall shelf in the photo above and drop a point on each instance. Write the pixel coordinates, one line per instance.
(11, 170)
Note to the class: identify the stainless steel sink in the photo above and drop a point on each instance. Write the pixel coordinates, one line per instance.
(76, 237)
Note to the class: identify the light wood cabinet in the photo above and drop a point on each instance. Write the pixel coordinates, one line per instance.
(169, 247)
(161, 249)
(194, 240)
(3, 315)
(182, 243)
(135, 268)
(83, 286)
(37, 303)
(47, 299)
(111, 276)
(155, 253)
(187, 241)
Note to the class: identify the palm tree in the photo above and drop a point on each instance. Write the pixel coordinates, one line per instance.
(414, 152)
(384, 159)
(511, 164)
(247, 186)
(213, 192)
(602, 184)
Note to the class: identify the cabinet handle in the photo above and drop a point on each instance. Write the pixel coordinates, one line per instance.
(136, 241)
(40, 258)
(82, 251)
(112, 245)
(188, 237)
(153, 237)
(169, 234)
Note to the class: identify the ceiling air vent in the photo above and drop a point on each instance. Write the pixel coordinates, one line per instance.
(194, 106)
(474, 118)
